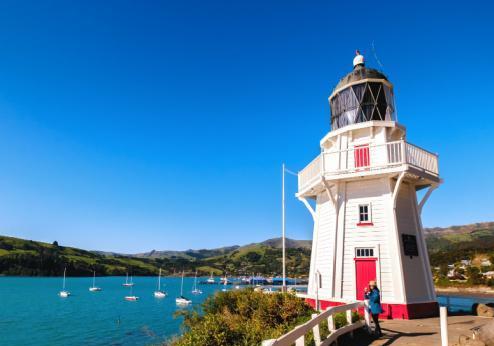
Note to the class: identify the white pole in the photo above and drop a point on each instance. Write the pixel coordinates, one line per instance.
(283, 224)
(443, 313)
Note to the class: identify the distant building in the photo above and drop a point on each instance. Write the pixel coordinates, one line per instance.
(485, 263)
(489, 274)
(367, 223)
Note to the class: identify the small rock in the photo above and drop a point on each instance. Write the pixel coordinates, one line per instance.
(485, 310)
(486, 333)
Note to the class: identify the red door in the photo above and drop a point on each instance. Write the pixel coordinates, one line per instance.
(365, 270)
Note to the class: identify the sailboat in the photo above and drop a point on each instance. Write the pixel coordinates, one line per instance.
(195, 290)
(182, 300)
(225, 282)
(94, 288)
(131, 297)
(64, 293)
(211, 279)
(127, 282)
(159, 293)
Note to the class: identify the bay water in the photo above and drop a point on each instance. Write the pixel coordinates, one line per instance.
(32, 313)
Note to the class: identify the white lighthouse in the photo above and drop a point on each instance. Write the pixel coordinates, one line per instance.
(366, 212)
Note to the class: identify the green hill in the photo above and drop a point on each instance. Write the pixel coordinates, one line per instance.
(33, 258)
(26, 257)
(452, 244)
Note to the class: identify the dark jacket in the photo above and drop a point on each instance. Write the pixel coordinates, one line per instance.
(374, 298)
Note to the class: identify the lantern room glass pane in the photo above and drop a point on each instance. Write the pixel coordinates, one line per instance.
(362, 102)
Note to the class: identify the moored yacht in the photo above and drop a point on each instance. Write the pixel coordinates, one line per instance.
(195, 290)
(94, 288)
(182, 300)
(128, 283)
(211, 280)
(159, 293)
(64, 293)
(131, 296)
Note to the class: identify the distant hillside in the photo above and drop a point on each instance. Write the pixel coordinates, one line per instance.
(188, 254)
(208, 253)
(474, 236)
(27, 257)
(289, 243)
(464, 229)
(32, 258)
(451, 244)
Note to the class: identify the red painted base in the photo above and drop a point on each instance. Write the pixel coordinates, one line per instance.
(393, 311)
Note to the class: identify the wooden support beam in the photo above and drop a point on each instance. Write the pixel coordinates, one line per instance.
(397, 188)
(426, 197)
(308, 206)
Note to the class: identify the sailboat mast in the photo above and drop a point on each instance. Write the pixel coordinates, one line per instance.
(64, 270)
(159, 280)
(94, 278)
(182, 285)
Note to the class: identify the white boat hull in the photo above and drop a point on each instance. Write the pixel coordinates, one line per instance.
(131, 298)
(64, 294)
(159, 294)
(94, 289)
(183, 301)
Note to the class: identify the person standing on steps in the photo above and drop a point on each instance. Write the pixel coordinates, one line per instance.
(373, 295)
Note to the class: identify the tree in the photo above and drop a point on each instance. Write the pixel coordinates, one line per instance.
(474, 276)
(55, 243)
(443, 271)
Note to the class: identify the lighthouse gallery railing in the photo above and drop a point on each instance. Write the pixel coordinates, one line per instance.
(365, 158)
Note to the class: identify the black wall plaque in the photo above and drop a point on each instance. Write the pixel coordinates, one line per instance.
(410, 245)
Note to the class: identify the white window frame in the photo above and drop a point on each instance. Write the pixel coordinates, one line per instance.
(360, 252)
(369, 213)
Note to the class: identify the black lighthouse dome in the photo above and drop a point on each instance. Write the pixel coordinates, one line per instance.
(365, 94)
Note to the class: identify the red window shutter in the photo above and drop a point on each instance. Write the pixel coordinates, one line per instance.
(362, 158)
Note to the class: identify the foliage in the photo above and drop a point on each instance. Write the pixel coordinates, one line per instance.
(474, 276)
(26, 257)
(242, 317)
(451, 247)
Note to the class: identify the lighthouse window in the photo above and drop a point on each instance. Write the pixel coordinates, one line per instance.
(365, 252)
(364, 213)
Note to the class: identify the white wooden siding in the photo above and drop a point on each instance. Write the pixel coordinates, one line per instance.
(324, 247)
(413, 268)
(376, 192)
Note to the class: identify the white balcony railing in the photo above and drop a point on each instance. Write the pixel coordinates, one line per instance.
(367, 158)
(297, 335)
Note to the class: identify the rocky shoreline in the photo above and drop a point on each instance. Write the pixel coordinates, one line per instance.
(476, 291)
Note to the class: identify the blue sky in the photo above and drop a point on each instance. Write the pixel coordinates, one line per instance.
(130, 126)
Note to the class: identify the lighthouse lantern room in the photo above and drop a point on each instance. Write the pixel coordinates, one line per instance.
(366, 212)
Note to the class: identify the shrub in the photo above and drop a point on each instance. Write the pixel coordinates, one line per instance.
(474, 276)
(242, 317)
